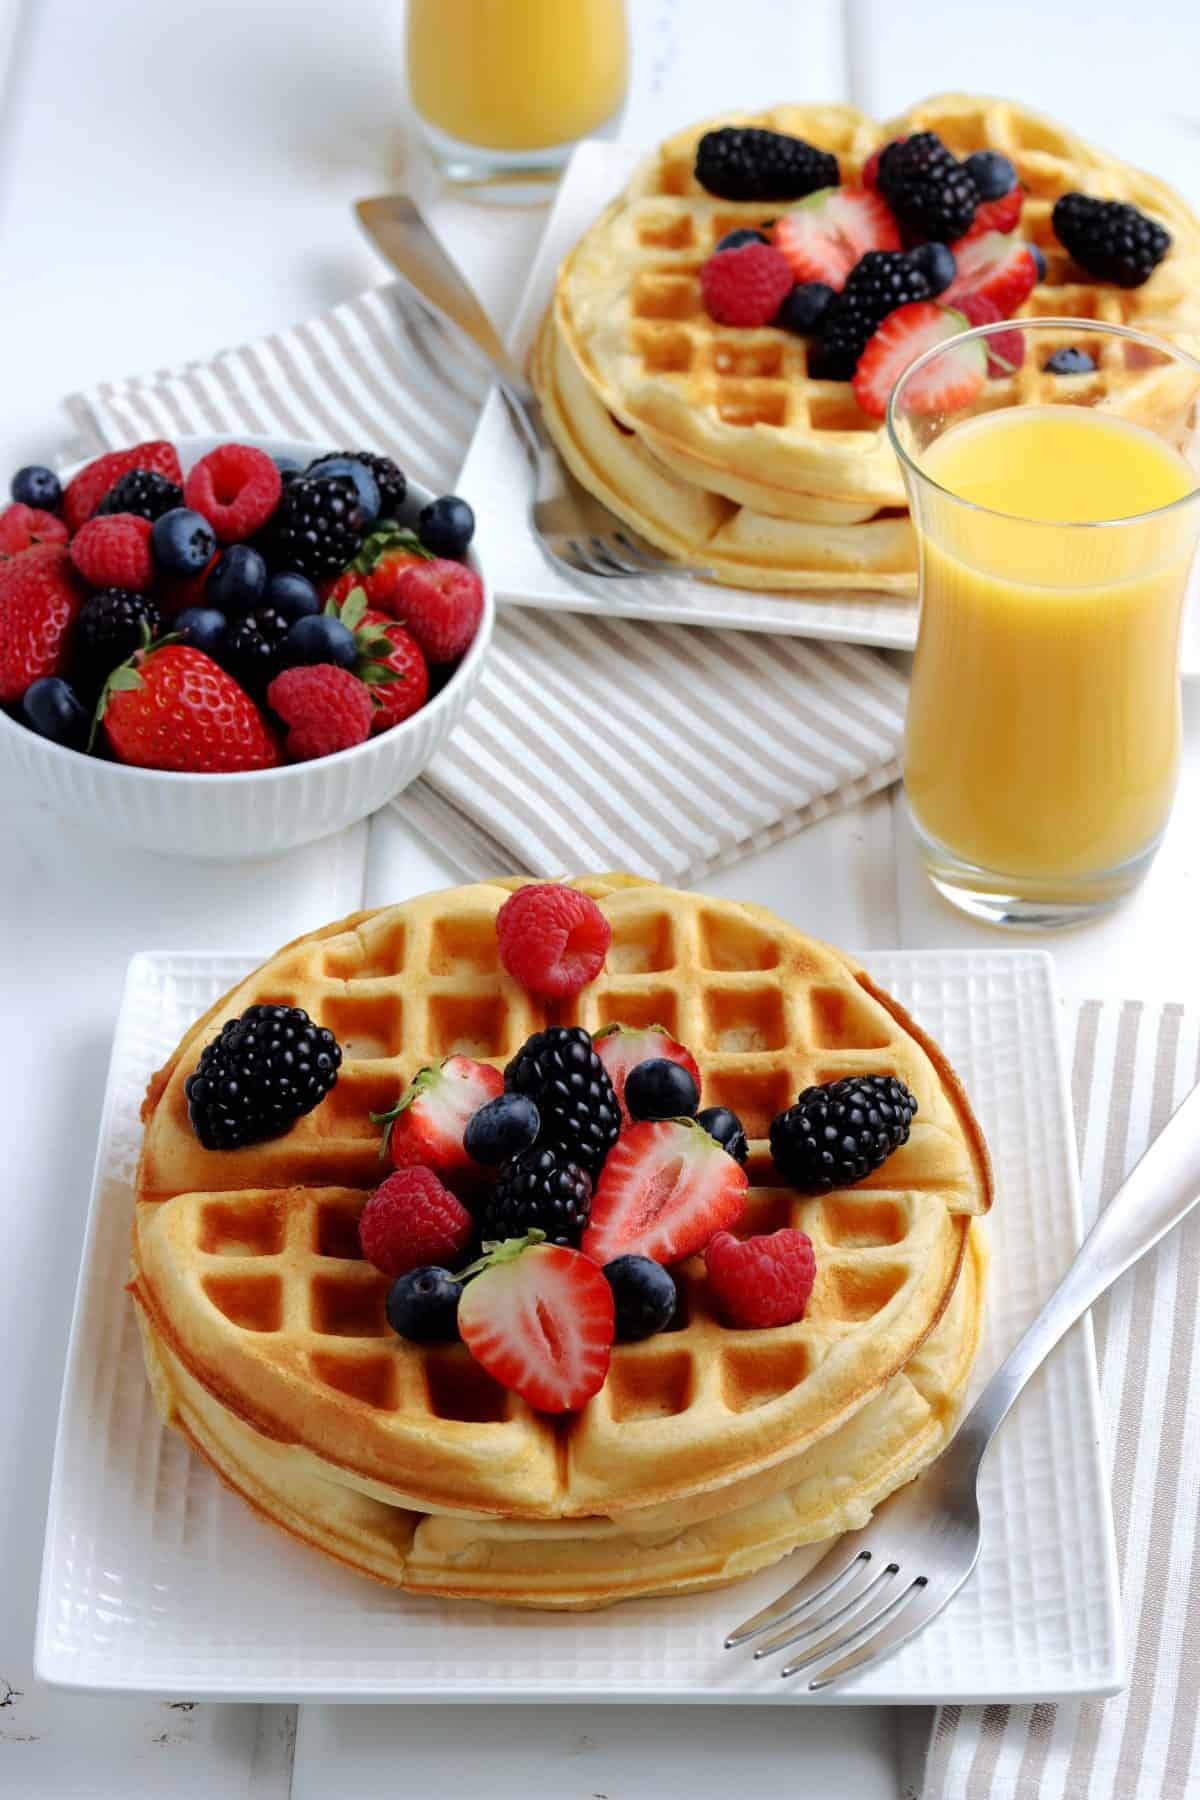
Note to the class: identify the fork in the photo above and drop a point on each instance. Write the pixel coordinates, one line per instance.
(577, 532)
(879, 1586)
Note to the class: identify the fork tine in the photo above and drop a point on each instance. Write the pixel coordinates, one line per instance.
(902, 1625)
(603, 550)
(848, 1601)
(644, 557)
(831, 1569)
(843, 1639)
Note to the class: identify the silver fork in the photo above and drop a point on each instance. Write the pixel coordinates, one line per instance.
(880, 1586)
(577, 532)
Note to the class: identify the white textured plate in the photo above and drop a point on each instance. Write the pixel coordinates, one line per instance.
(496, 476)
(156, 1579)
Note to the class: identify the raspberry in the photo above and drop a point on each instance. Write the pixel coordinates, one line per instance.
(746, 286)
(86, 490)
(325, 708)
(236, 487)
(441, 603)
(761, 1281)
(114, 551)
(411, 1221)
(23, 526)
(553, 939)
(401, 656)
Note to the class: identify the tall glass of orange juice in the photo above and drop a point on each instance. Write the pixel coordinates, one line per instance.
(503, 88)
(1057, 516)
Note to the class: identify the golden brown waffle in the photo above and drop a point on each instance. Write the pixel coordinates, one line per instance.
(735, 412)
(262, 1297)
(592, 1562)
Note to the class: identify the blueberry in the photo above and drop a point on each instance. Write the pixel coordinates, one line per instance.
(804, 308)
(644, 1296)
(991, 174)
(936, 263)
(423, 1305)
(1069, 361)
(1039, 261)
(237, 580)
(318, 639)
(728, 1130)
(368, 488)
(733, 239)
(35, 486)
(203, 627)
(287, 465)
(182, 541)
(446, 526)
(502, 1128)
(292, 595)
(49, 707)
(660, 1089)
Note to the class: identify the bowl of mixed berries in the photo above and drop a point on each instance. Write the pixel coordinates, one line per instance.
(221, 648)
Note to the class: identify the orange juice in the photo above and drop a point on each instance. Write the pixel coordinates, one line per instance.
(1044, 717)
(516, 75)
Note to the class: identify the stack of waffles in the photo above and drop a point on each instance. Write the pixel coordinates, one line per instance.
(714, 441)
(709, 1451)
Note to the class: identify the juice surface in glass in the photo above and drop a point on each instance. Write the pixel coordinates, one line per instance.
(516, 74)
(1044, 715)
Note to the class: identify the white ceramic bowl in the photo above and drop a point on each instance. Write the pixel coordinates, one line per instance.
(263, 811)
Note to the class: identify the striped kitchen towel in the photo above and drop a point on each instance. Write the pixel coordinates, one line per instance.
(1133, 1064)
(666, 749)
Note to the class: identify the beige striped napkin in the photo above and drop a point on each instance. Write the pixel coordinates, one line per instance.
(1133, 1064)
(592, 743)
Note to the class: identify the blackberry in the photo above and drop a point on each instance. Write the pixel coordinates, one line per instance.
(837, 1133)
(251, 647)
(143, 493)
(318, 525)
(927, 187)
(1109, 239)
(743, 162)
(569, 1085)
(876, 286)
(390, 479)
(539, 1188)
(262, 1072)
(107, 630)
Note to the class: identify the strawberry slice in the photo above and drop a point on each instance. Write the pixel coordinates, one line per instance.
(1002, 268)
(540, 1319)
(996, 215)
(906, 334)
(427, 1123)
(1005, 349)
(666, 1187)
(621, 1048)
(832, 230)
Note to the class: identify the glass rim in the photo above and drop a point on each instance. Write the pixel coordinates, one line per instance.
(907, 462)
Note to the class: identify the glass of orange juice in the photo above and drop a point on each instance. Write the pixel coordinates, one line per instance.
(1057, 516)
(503, 88)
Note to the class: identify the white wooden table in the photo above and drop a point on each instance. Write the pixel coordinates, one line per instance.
(174, 178)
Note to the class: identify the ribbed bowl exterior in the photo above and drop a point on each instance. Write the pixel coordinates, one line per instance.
(253, 814)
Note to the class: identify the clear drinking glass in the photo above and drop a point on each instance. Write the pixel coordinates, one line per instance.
(1057, 517)
(502, 89)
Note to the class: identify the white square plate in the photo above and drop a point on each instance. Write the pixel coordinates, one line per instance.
(157, 1580)
(496, 476)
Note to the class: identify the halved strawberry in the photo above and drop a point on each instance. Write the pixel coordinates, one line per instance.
(996, 215)
(906, 334)
(832, 230)
(1002, 268)
(540, 1319)
(666, 1186)
(621, 1047)
(427, 1123)
(1005, 349)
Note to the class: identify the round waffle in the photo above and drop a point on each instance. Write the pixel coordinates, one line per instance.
(592, 1562)
(734, 412)
(247, 1261)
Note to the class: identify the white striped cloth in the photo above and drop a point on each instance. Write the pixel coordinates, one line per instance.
(1133, 1064)
(592, 743)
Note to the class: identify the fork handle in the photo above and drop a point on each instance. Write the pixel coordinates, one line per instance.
(1161, 1190)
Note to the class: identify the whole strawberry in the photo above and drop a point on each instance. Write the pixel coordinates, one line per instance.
(23, 526)
(441, 602)
(174, 708)
(87, 489)
(40, 595)
(386, 553)
(400, 654)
